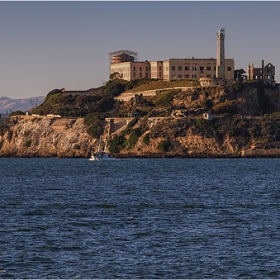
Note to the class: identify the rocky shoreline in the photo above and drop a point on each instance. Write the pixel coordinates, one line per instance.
(33, 137)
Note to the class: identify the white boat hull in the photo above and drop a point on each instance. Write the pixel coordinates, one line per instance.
(101, 157)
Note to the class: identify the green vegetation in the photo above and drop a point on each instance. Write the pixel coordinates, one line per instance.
(27, 143)
(163, 145)
(229, 107)
(146, 139)
(152, 84)
(127, 138)
(78, 105)
(115, 87)
(16, 113)
(264, 101)
(95, 123)
(3, 129)
(164, 98)
(1, 143)
(204, 127)
(10, 135)
(238, 86)
(132, 123)
(245, 110)
(207, 103)
(77, 147)
(133, 137)
(116, 144)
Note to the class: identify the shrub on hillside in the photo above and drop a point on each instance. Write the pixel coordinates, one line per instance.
(115, 87)
(95, 124)
(204, 127)
(133, 137)
(27, 143)
(228, 106)
(163, 99)
(146, 139)
(52, 92)
(237, 87)
(116, 144)
(163, 145)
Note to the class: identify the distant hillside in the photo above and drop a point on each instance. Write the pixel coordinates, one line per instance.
(11, 105)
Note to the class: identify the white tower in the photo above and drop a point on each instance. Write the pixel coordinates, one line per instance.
(220, 63)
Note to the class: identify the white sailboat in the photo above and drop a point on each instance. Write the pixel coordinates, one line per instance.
(101, 155)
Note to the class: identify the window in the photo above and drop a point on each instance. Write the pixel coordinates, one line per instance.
(194, 68)
(179, 68)
(179, 76)
(141, 69)
(140, 74)
(194, 76)
(134, 69)
(201, 68)
(208, 68)
(146, 75)
(186, 76)
(186, 68)
(146, 68)
(134, 75)
(215, 68)
(173, 68)
(159, 74)
(159, 68)
(229, 68)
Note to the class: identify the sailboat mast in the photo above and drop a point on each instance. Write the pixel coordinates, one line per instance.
(99, 145)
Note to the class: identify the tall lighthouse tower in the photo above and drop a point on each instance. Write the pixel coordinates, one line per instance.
(220, 63)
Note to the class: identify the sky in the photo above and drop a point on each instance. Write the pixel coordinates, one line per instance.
(66, 44)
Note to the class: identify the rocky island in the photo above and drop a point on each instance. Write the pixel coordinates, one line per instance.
(149, 118)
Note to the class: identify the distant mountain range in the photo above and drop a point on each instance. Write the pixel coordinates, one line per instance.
(8, 105)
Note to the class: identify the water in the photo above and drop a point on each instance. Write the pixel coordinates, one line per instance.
(139, 218)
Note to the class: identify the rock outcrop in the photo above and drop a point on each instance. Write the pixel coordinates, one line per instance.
(240, 128)
(28, 136)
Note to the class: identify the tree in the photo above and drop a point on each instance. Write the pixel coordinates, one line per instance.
(115, 75)
(114, 88)
(163, 145)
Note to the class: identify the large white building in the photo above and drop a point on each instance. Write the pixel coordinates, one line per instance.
(204, 69)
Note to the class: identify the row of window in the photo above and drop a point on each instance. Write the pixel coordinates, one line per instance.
(194, 76)
(140, 68)
(155, 68)
(140, 75)
(194, 68)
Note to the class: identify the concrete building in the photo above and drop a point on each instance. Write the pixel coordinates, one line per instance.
(266, 73)
(131, 70)
(204, 69)
(193, 68)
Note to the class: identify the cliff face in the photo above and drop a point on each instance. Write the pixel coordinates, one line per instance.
(46, 137)
(54, 137)
(246, 133)
(184, 141)
(51, 137)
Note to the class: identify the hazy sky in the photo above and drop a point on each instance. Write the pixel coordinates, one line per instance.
(47, 45)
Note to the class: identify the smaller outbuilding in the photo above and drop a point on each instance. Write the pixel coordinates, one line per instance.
(207, 116)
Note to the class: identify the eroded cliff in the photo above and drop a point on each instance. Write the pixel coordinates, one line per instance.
(28, 136)
(239, 127)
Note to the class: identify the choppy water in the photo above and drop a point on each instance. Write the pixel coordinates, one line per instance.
(140, 218)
